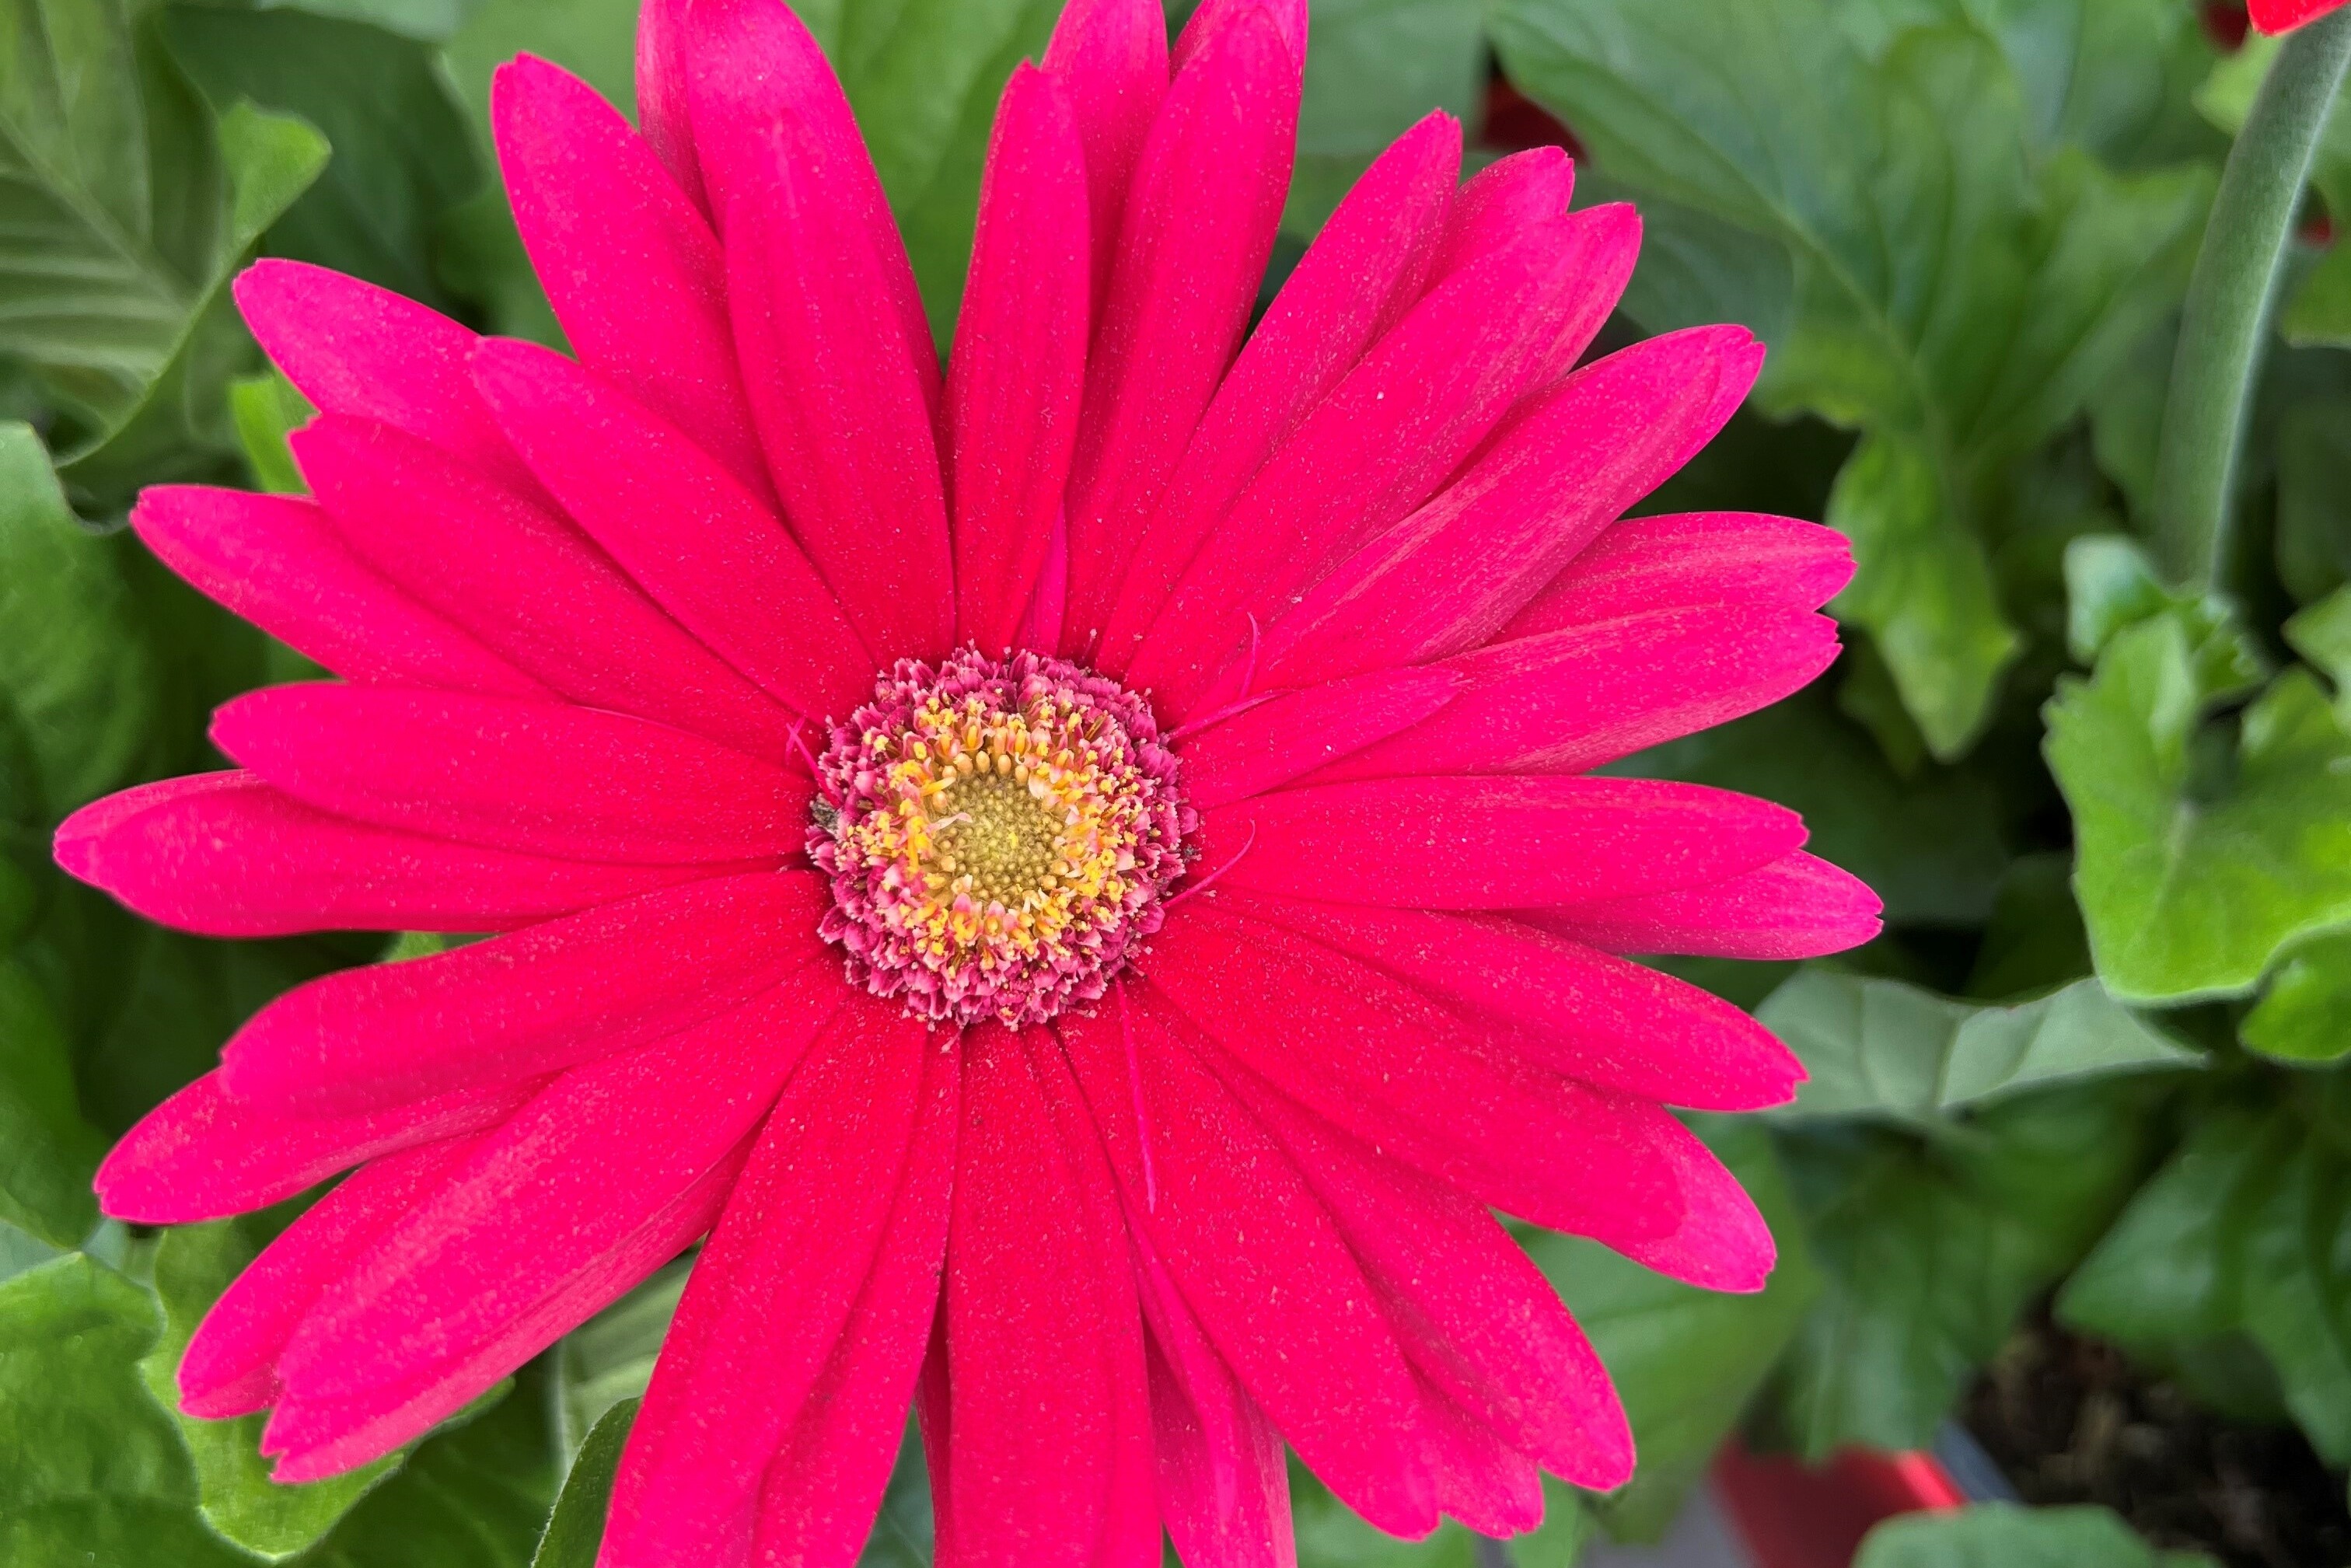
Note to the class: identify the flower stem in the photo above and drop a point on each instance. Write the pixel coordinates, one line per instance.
(2229, 298)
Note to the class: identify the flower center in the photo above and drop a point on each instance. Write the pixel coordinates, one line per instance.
(999, 833)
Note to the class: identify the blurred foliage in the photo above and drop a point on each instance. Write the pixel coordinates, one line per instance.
(2096, 1052)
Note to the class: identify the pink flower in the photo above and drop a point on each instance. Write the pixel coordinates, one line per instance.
(1082, 880)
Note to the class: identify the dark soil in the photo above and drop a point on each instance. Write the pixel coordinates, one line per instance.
(2071, 1421)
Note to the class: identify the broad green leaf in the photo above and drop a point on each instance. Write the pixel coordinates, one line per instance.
(1685, 1361)
(2247, 1228)
(1959, 289)
(47, 1152)
(2110, 585)
(433, 20)
(2191, 884)
(194, 1264)
(609, 1358)
(1881, 1048)
(402, 152)
(478, 252)
(575, 1531)
(90, 1470)
(1930, 1248)
(2116, 77)
(2307, 1014)
(596, 40)
(1374, 69)
(2002, 1535)
(266, 409)
(73, 670)
(2321, 634)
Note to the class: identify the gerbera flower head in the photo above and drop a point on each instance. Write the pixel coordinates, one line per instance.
(1078, 880)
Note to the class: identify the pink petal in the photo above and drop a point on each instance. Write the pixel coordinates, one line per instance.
(662, 108)
(824, 1486)
(1257, 1260)
(203, 1154)
(1110, 57)
(1481, 1480)
(1476, 1318)
(314, 1439)
(540, 1000)
(709, 551)
(277, 561)
(843, 415)
(600, 1153)
(230, 1366)
(223, 854)
(1502, 203)
(1375, 1057)
(769, 1299)
(753, 68)
(1601, 1020)
(1365, 269)
(1267, 744)
(526, 583)
(1689, 558)
(1199, 225)
(1492, 843)
(1722, 1243)
(1418, 404)
(1020, 361)
(1447, 577)
(354, 348)
(1044, 1335)
(1795, 907)
(633, 272)
(1214, 19)
(1569, 701)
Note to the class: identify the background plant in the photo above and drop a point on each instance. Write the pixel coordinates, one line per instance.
(2096, 1059)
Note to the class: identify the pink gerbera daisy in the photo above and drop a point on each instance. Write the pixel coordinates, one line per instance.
(1078, 876)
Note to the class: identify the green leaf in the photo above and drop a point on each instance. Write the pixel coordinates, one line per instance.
(2318, 315)
(1683, 1360)
(194, 1264)
(90, 1470)
(47, 1152)
(2034, 940)
(1881, 1048)
(609, 1358)
(1959, 290)
(2247, 1228)
(266, 409)
(2002, 1535)
(2306, 1014)
(1374, 69)
(2110, 585)
(2191, 884)
(403, 154)
(575, 1531)
(2321, 634)
(596, 40)
(901, 1535)
(1928, 1249)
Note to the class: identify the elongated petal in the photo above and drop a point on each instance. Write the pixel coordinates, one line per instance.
(537, 1001)
(664, 107)
(1375, 1057)
(204, 1155)
(1418, 404)
(1020, 362)
(708, 550)
(768, 1299)
(633, 272)
(1568, 701)
(1199, 225)
(1447, 577)
(1492, 843)
(312, 1438)
(230, 1365)
(1502, 202)
(1797, 907)
(278, 561)
(1111, 58)
(1279, 1295)
(1600, 1020)
(1044, 1335)
(354, 348)
(223, 854)
(526, 583)
(1476, 1318)
(1365, 269)
(1722, 1243)
(1212, 19)
(1691, 558)
(753, 68)
(1481, 1480)
(1269, 744)
(842, 414)
(824, 1486)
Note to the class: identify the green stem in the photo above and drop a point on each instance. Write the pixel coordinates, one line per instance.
(2229, 298)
